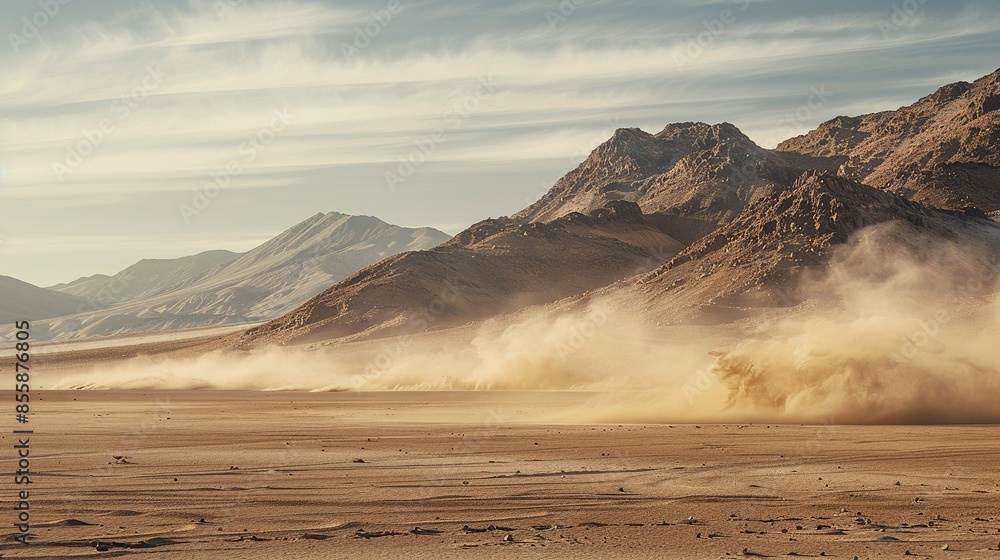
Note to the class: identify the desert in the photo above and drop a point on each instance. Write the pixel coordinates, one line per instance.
(699, 279)
(249, 474)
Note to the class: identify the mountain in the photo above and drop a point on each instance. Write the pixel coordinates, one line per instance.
(749, 221)
(222, 288)
(494, 267)
(147, 277)
(21, 301)
(942, 150)
(693, 175)
(755, 260)
(85, 286)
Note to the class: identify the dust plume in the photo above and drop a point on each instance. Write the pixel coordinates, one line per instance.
(909, 337)
(899, 328)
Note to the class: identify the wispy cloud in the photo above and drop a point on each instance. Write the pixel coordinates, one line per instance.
(562, 81)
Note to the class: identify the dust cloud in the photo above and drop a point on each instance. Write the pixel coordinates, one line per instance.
(900, 328)
(911, 339)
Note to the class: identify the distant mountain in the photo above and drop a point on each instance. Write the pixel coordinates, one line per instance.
(148, 277)
(494, 267)
(942, 150)
(20, 301)
(85, 286)
(221, 288)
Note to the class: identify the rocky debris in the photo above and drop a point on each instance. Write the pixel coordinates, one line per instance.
(362, 534)
(420, 531)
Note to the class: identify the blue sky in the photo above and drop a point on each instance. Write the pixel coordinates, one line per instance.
(163, 128)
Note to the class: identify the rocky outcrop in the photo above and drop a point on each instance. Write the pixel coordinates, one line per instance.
(941, 150)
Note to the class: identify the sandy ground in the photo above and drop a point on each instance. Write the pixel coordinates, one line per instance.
(232, 474)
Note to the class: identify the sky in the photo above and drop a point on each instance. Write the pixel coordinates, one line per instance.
(162, 128)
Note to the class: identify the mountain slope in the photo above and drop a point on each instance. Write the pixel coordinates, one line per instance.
(257, 285)
(21, 301)
(941, 150)
(85, 287)
(147, 277)
(494, 267)
(754, 259)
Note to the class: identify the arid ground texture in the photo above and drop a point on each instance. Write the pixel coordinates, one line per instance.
(242, 474)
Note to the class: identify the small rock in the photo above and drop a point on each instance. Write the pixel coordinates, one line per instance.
(945, 547)
(508, 538)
